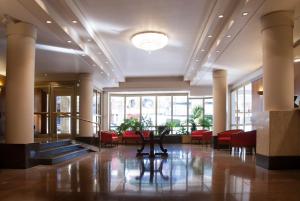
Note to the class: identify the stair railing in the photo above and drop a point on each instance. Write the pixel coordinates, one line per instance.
(62, 114)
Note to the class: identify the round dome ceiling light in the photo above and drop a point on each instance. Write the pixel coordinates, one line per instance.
(149, 40)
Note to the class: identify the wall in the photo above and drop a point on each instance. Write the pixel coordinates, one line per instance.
(167, 84)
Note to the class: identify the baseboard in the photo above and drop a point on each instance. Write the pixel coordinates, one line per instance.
(278, 162)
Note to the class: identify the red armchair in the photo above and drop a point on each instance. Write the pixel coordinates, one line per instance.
(224, 138)
(246, 139)
(132, 136)
(206, 137)
(108, 137)
(197, 135)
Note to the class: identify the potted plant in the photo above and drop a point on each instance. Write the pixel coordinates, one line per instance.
(185, 137)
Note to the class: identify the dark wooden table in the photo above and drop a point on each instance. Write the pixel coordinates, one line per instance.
(152, 141)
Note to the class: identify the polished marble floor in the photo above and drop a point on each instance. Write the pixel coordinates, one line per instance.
(191, 172)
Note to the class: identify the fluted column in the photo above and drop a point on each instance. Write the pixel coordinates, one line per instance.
(86, 105)
(278, 65)
(219, 106)
(20, 61)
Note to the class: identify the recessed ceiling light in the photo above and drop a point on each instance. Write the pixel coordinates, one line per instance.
(202, 50)
(245, 13)
(218, 51)
(197, 60)
(74, 21)
(228, 36)
(48, 22)
(209, 36)
(69, 41)
(220, 16)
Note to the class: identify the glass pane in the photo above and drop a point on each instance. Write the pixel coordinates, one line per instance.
(148, 110)
(77, 103)
(241, 106)
(133, 107)
(117, 110)
(208, 112)
(164, 108)
(41, 102)
(98, 103)
(233, 107)
(248, 103)
(41, 123)
(179, 111)
(63, 125)
(94, 111)
(63, 103)
(193, 103)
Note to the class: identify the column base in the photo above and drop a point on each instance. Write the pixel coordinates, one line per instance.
(278, 162)
(214, 142)
(18, 156)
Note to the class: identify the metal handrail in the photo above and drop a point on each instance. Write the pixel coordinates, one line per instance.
(66, 114)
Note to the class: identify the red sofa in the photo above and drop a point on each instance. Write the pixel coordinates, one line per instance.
(245, 139)
(108, 137)
(224, 138)
(197, 135)
(132, 136)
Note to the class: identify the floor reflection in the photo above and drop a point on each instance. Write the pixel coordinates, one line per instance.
(189, 173)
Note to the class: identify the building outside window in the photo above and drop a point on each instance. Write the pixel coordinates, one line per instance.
(241, 108)
(157, 109)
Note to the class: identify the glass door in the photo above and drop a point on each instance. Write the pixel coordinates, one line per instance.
(63, 103)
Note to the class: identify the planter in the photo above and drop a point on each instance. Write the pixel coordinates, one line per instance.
(186, 139)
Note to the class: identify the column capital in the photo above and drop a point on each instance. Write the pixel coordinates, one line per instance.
(277, 18)
(219, 73)
(85, 76)
(21, 28)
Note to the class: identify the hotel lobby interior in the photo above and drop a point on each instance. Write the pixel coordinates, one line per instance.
(149, 100)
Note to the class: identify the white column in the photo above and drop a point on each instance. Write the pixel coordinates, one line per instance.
(86, 105)
(20, 61)
(278, 65)
(219, 104)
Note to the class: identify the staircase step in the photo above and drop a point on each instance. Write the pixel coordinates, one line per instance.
(54, 159)
(52, 144)
(58, 150)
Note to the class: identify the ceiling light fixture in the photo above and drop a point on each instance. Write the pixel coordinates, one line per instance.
(245, 13)
(197, 60)
(218, 51)
(203, 50)
(149, 40)
(209, 36)
(228, 36)
(74, 21)
(69, 41)
(220, 16)
(48, 22)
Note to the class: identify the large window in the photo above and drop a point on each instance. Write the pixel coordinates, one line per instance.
(207, 105)
(241, 108)
(96, 110)
(157, 109)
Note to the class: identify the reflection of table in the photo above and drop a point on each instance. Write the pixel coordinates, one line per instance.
(152, 169)
(152, 141)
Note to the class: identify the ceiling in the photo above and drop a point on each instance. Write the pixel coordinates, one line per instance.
(99, 41)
